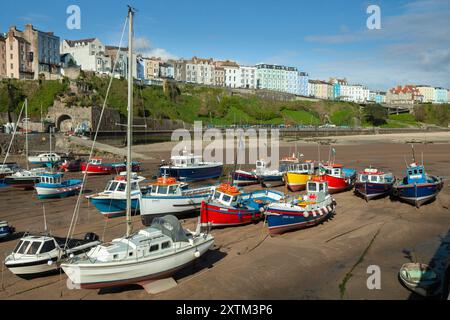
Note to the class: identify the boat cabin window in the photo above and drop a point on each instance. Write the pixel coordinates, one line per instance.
(364, 178)
(336, 172)
(134, 186)
(173, 189)
(154, 248)
(217, 195)
(96, 161)
(226, 198)
(373, 178)
(23, 248)
(34, 248)
(162, 189)
(312, 187)
(121, 187)
(112, 186)
(48, 246)
(321, 186)
(165, 245)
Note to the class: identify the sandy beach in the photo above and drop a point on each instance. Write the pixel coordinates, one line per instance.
(328, 261)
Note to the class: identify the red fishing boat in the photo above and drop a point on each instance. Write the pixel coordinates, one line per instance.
(97, 167)
(339, 180)
(229, 207)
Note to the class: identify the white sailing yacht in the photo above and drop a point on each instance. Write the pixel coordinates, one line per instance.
(153, 253)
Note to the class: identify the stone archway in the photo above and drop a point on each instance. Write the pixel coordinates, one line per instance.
(64, 123)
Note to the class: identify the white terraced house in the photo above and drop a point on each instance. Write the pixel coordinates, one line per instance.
(89, 54)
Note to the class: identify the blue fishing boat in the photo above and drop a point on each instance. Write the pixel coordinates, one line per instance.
(372, 183)
(417, 187)
(51, 185)
(112, 202)
(306, 211)
(189, 168)
(6, 230)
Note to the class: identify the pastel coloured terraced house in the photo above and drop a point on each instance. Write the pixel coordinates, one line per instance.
(440, 95)
(428, 93)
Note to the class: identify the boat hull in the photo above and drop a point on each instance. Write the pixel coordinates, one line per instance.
(106, 169)
(92, 276)
(336, 185)
(21, 183)
(241, 178)
(418, 194)
(219, 216)
(283, 218)
(369, 190)
(112, 208)
(297, 181)
(58, 192)
(193, 174)
(154, 206)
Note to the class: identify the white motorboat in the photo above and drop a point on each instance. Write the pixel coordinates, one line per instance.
(45, 159)
(39, 255)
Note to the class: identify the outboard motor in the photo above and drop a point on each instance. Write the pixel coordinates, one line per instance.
(91, 237)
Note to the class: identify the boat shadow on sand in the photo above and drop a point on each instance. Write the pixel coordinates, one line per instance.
(200, 265)
(440, 265)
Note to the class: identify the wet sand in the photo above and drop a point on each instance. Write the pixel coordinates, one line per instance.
(247, 264)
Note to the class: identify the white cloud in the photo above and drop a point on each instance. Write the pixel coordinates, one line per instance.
(144, 46)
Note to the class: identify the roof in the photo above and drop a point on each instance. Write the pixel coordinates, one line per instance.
(72, 43)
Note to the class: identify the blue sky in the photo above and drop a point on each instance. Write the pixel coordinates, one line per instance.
(324, 38)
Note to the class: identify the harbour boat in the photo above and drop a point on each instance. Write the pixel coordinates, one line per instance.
(41, 254)
(417, 187)
(338, 180)
(97, 167)
(167, 196)
(313, 208)
(45, 159)
(25, 179)
(244, 178)
(150, 254)
(268, 177)
(229, 207)
(112, 202)
(8, 169)
(71, 165)
(420, 279)
(6, 230)
(372, 183)
(190, 168)
(298, 175)
(51, 185)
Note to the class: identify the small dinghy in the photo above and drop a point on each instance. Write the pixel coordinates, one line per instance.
(97, 167)
(39, 255)
(372, 183)
(420, 279)
(303, 212)
(229, 207)
(6, 230)
(52, 186)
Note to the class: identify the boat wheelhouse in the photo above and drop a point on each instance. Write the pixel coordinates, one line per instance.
(51, 185)
(189, 168)
(373, 183)
(112, 202)
(229, 207)
(268, 177)
(298, 175)
(41, 254)
(306, 211)
(338, 180)
(168, 196)
(417, 187)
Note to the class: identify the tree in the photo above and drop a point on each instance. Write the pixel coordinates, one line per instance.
(376, 114)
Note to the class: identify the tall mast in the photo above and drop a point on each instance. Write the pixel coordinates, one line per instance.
(130, 117)
(26, 132)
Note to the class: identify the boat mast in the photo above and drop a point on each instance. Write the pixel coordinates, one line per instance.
(130, 117)
(26, 132)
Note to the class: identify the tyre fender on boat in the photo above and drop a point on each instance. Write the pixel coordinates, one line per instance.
(306, 214)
